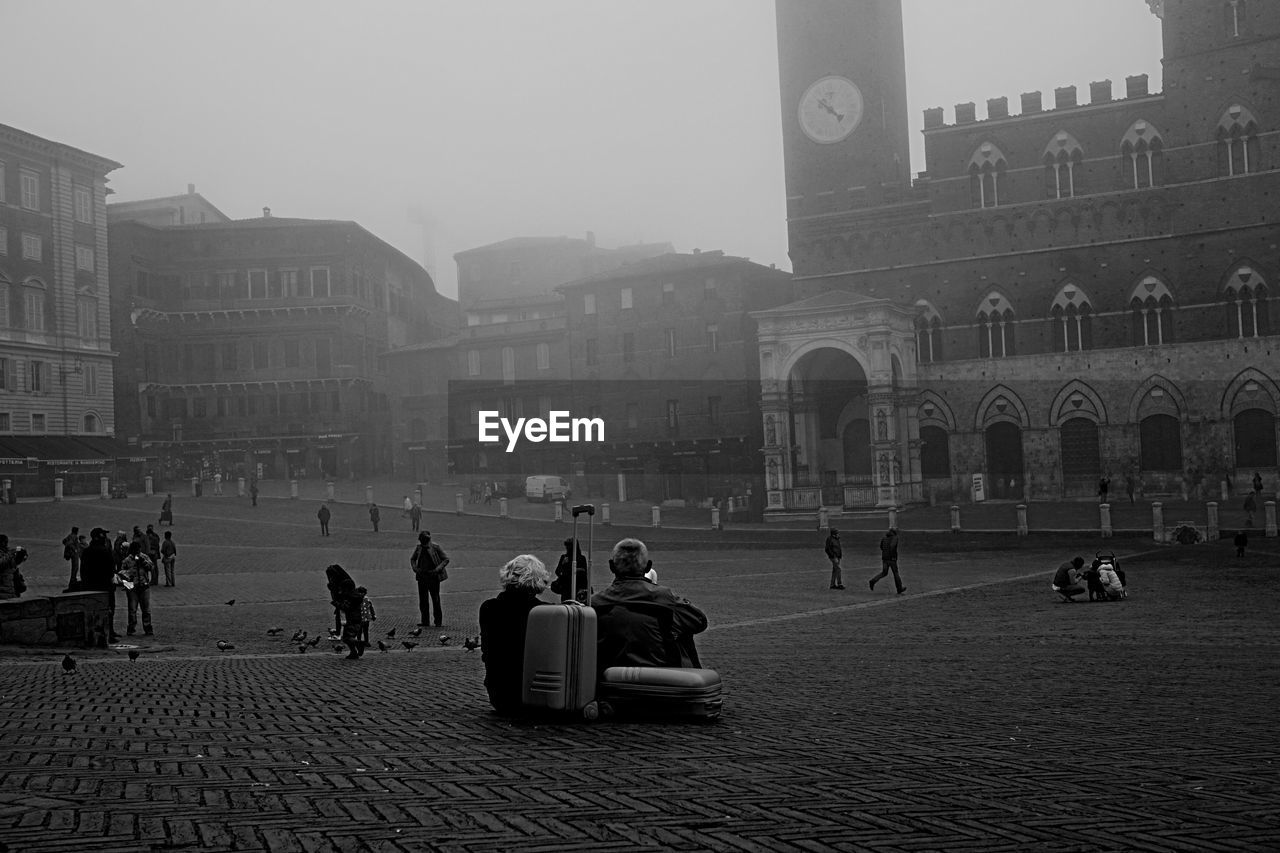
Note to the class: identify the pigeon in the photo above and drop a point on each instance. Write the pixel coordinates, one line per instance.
(315, 641)
(470, 644)
(273, 631)
(408, 646)
(299, 636)
(416, 632)
(391, 635)
(231, 602)
(302, 649)
(333, 632)
(444, 639)
(68, 664)
(224, 646)
(134, 654)
(382, 647)
(337, 648)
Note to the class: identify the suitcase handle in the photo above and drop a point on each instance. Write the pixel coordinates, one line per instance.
(581, 509)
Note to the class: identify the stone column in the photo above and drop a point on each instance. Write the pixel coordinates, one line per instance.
(240, 490)
(559, 512)
(1104, 510)
(293, 490)
(655, 519)
(104, 488)
(457, 502)
(824, 518)
(715, 518)
(328, 490)
(57, 488)
(1211, 528)
(955, 519)
(604, 515)
(502, 508)
(148, 485)
(368, 494)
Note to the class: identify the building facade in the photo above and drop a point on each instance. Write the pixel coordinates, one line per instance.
(56, 358)
(252, 347)
(1065, 293)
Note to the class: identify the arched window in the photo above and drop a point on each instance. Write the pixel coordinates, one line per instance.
(1152, 307)
(1255, 439)
(1081, 454)
(1143, 151)
(995, 327)
(986, 170)
(928, 334)
(1072, 320)
(1238, 148)
(1160, 443)
(935, 452)
(91, 423)
(1062, 167)
(1246, 298)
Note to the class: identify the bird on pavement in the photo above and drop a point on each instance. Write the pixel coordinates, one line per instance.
(314, 641)
(408, 646)
(444, 639)
(273, 631)
(470, 644)
(68, 664)
(333, 632)
(133, 654)
(231, 602)
(382, 647)
(302, 649)
(337, 648)
(391, 635)
(299, 636)
(416, 632)
(224, 646)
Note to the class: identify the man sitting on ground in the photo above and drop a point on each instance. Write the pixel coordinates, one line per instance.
(641, 623)
(1066, 581)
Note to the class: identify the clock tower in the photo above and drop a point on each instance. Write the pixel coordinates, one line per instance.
(844, 104)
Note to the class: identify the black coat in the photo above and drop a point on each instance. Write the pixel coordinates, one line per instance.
(98, 567)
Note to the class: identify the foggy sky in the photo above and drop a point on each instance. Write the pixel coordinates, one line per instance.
(640, 120)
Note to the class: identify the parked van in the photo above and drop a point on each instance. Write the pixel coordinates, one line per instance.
(543, 487)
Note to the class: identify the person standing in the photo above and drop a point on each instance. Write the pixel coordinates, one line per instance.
(1104, 484)
(1257, 482)
(1129, 486)
(153, 554)
(1250, 507)
(120, 549)
(136, 575)
(253, 492)
(428, 563)
(71, 550)
(582, 582)
(834, 554)
(169, 556)
(8, 570)
(166, 510)
(98, 574)
(374, 516)
(889, 560)
(415, 517)
(217, 484)
(324, 515)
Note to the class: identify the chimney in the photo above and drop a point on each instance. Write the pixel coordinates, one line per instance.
(1032, 102)
(966, 113)
(191, 189)
(1100, 92)
(1136, 86)
(266, 213)
(997, 108)
(934, 117)
(1064, 97)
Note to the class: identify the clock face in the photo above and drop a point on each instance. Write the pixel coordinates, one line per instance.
(830, 109)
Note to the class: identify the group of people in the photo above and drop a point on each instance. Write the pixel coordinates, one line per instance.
(1103, 580)
(888, 560)
(640, 622)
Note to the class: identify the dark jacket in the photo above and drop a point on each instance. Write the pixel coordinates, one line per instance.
(503, 623)
(560, 585)
(643, 624)
(833, 548)
(323, 514)
(889, 547)
(98, 567)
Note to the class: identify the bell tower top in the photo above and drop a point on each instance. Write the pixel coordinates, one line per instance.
(843, 77)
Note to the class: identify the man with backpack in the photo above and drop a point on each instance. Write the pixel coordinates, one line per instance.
(428, 563)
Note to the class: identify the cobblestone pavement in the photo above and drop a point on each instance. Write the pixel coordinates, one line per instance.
(972, 713)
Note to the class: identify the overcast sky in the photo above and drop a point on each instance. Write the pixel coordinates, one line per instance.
(640, 120)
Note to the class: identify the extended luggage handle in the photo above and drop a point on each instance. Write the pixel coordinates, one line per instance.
(588, 510)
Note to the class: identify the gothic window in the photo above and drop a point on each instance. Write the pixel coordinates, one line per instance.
(986, 171)
(1152, 307)
(1143, 152)
(995, 327)
(1072, 320)
(1160, 440)
(1062, 167)
(935, 452)
(1255, 439)
(1246, 299)
(928, 334)
(1238, 147)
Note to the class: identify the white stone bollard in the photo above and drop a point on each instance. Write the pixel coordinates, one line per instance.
(655, 519)
(457, 502)
(417, 496)
(559, 512)
(240, 490)
(57, 488)
(715, 518)
(104, 488)
(502, 508)
(604, 515)
(1211, 528)
(1022, 519)
(1222, 489)
(149, 486)
(328, 489)
(195, 486)
(893, 518)
(1157, 520)
(1270, 509)
(293, 489)
(1104, 510)
(368, 494)
(955, 519)
(824, 518)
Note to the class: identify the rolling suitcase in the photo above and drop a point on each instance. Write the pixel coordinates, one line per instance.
(654, 691)
(560, 648)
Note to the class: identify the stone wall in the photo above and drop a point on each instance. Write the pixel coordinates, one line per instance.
(71, 619)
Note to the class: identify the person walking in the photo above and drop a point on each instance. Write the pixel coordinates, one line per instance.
(889, 560)
(834, 554)
(415, 517)
(1257, 482)
(323, 514)
(374, 516)
(135, 574)
(428, 563)
(169, 556)
(253, 492)
(71, 550)
(98, 573)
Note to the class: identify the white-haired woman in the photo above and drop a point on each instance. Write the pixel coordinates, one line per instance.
(503, 621)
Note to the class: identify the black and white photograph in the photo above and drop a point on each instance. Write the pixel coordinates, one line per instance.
(610, 425)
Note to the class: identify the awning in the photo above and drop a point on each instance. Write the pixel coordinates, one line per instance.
(61, 450)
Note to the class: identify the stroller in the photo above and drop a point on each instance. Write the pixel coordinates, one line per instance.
(1104, 564)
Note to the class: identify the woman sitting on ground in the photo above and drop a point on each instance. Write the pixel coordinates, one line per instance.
(503, 622)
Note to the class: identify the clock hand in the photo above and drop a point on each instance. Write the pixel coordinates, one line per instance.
(822, 102)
